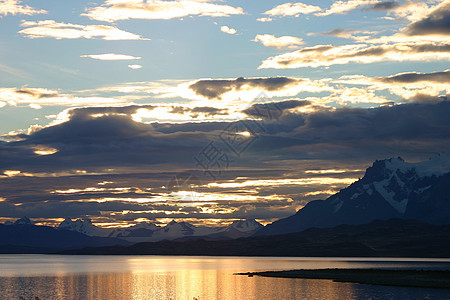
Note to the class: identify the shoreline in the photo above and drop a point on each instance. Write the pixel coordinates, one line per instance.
(389, 277)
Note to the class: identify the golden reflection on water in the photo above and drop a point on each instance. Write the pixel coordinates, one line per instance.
(182, 284)
(153, 277)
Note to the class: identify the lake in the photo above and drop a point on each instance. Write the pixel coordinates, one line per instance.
(181, 277)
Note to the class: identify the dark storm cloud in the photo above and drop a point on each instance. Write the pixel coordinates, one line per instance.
(411, 77)
(438, 22)
(215, 88)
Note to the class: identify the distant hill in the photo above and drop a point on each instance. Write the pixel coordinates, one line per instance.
(391, 238)
(390, 188)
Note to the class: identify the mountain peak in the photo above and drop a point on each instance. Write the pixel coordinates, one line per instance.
(390, 188)
(246, 225)
(23, 221)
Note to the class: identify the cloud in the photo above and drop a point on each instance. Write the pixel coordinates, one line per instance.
(234, 93)
(264, 20)
(134, 67)
(415, 86)
(414, 77)
(409, 9)
(14, 7)
(197, 112)
(111, 56)
(292, 9)
(287, 42)
(53, 29)
(413, 10)
(215, 88)
(342, 7)
(346, 34)
(436, 23)
(428, 24)
(338, 32)
(228, 30)
(105, 144)
(327, 55)
(38, 97)
(114, 10)
(386, 5)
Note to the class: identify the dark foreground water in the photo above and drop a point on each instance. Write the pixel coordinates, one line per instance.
(175, 277)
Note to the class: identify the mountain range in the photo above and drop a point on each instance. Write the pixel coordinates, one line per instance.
(148, 232)
(391, 189)
(23, 236)
(391, 238)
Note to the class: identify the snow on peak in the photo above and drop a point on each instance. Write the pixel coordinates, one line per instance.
(246, 225)
(397, 181)
(84, 226)
(437, 165)
(145, 225)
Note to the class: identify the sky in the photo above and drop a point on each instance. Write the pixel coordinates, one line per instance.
(129, 111)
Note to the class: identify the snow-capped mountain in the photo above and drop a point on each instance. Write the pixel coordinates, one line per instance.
(148, 232)
(238, 229)
(390, 188)
(84, 226)
(141, 232)
(246, 225)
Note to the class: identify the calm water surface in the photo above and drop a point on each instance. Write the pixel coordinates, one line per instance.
(176, 277)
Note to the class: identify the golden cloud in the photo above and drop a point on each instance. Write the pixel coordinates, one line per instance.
(114, 10)
(327, 55)
(53, 29)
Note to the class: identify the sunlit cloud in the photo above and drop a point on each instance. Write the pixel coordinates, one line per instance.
(431, 25)
(264, 20)
(282, 42)
(44, 150)
(292, 9)
(410, 10)
(15, 7)
(279, 182)
(358, 35)
(413, 10)
(409, 86)
(57, 30)
(327, 55)
(341, 7)
(111, 56)
(324, 192)
(114, 10)
(228, 30)
(38, 97)
(332, 171)
(134, 67)
(251, 88)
